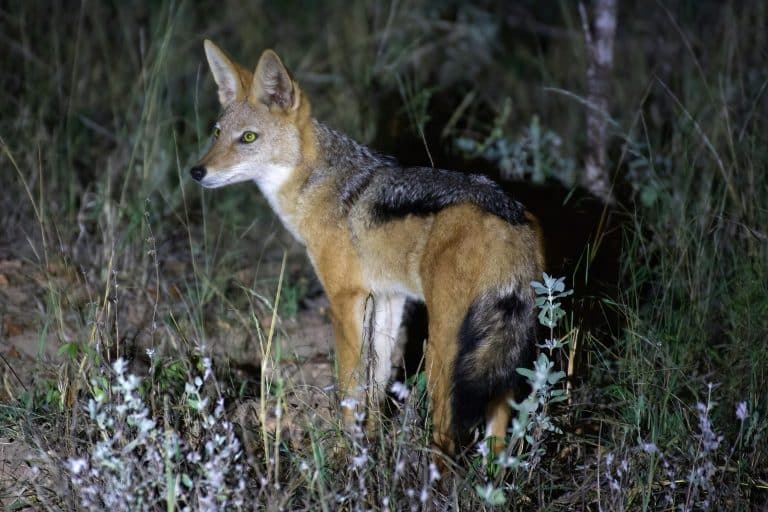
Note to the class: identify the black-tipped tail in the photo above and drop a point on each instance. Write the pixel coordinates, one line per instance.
(496, 337)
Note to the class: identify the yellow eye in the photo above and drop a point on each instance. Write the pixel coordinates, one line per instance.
(248, 137)
(216, 132)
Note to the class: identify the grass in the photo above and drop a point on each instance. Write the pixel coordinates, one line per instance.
(108, 251)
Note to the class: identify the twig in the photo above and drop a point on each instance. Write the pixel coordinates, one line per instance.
(13, 372)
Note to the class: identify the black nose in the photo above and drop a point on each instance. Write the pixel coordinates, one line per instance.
(197, 172)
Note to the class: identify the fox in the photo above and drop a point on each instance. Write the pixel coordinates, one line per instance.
(378, 234)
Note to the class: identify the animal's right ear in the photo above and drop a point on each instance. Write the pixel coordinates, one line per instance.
(228, 75)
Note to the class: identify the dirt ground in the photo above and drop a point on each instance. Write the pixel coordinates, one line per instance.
(31, 341)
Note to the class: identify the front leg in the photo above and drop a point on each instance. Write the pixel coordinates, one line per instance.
(387, 311)
(347, 316)
(338, 266)
(366, 328)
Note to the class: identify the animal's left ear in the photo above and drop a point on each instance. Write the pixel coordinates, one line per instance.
(273, 85)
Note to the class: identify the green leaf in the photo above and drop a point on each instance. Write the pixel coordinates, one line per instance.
(648, 196)
(421, 382)
(70, 350)
(555, 376)
(525, 372)
(491, 495)
(544, 319)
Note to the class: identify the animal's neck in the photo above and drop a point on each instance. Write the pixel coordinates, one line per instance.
(342, 152)
(334, 170)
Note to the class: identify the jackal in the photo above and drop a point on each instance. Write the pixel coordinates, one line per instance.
(377, 234)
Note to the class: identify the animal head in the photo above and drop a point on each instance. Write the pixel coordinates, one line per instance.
(259, 133)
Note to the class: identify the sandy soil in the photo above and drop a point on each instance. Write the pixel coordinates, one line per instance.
(30, 344)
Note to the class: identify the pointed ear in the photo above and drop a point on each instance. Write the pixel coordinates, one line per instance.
(230, 77)
(272, 83)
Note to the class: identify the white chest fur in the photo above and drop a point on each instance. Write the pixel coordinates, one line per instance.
(270, 182)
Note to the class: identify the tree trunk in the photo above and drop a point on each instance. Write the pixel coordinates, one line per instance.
(599, 44)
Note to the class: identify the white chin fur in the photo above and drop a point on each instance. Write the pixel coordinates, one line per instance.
(270, 178)
(216, 179)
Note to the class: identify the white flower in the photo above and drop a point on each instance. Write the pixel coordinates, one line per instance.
(483, 449)
(400, 390)
(129, 383)
(219, 408)
(119, 366)
(485, 491)
(77, 465)
(145, 425)
(508, 461)
(741, 411)
(434, 474)
(360, 460)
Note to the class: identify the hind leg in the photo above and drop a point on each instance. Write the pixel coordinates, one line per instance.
(439, 381)
(475, 271)
(497, 417)
(440, 359)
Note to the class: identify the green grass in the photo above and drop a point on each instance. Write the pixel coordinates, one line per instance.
(106, 106)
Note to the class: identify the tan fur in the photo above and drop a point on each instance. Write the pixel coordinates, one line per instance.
(498, 419)
(446, 259)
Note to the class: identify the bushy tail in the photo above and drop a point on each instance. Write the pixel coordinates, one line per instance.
(496, 337)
